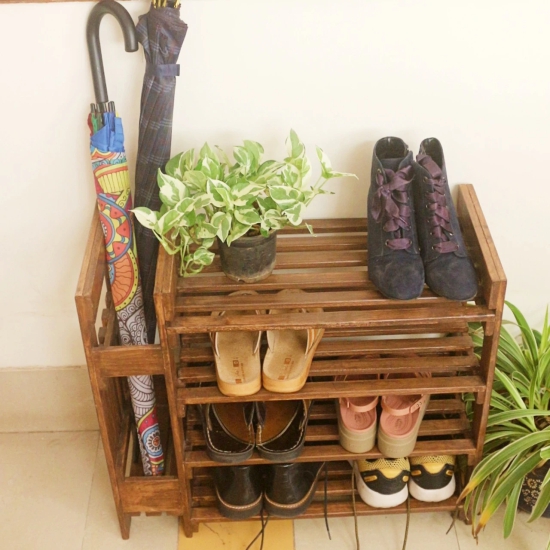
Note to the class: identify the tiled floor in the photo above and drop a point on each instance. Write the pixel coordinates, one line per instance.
(55, 495)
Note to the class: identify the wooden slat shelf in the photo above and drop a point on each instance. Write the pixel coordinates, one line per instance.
(430, 318)
(444, 430)
(339, 503)
(323, 390)
(366, 334)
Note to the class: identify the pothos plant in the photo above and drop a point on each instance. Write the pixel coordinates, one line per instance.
(210, 196)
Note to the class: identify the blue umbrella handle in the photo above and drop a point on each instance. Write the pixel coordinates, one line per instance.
(94, 48)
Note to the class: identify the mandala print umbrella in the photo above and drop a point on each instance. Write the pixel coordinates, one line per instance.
(114, 203)
(161, 33)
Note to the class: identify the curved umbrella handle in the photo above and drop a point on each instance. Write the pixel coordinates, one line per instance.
(94, 48)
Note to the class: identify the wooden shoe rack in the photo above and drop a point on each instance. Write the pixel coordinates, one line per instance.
(365, 333)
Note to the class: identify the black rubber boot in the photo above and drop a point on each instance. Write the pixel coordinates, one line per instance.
(449, 270)
(394, 262)
(239, 491)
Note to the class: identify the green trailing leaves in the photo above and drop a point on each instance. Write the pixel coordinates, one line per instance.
(213, 197)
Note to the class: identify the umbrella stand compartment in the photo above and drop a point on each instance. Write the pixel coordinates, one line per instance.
(109, 364)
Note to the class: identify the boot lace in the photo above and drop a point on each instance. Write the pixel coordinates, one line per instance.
(390, 205)
(440, 218)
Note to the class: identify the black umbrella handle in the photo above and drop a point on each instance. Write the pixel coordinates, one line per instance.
(94, 48)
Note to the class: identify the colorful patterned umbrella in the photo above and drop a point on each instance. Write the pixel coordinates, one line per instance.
(161, 33)
(114, 203)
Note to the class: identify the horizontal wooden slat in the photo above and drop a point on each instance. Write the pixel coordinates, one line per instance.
(430, 318)
(304, 260)
(338, 509)
(344, 367)
(328, 225)
(332, 452)
(335, 299)
(324, 390)
(324, 410)
(317, 433)
(128, 360)
(218, 282)
(340, 346)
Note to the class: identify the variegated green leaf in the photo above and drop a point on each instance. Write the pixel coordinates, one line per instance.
(210, 167)
(222, 222)
(244, 158)
(206, 231)
(237, 230)
(168, 221)
(146, 217)
(285, 197)
(203, 257)
(294, 146)
(202, 200)
(222, 156)
(326, 166)
(266, 203)
(294, 214)
(291, 176)
(172, 167)
(171, 190)
(255, 149)
(184, 206)
(511, 508)
(207, 152)
(195, 179)
(247, 216)
(269, 167)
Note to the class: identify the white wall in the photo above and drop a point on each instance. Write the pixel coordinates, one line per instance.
(343, 73)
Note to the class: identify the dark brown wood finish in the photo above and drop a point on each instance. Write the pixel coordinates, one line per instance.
(365, 334)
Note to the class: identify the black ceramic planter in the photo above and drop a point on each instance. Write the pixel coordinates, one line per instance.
(531, 489)
(249, 259)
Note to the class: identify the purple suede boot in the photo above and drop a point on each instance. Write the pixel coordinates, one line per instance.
(394, 262)
(449, 270)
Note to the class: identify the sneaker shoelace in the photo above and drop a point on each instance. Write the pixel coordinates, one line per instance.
(355, 514)
(390, 205)
(440, 218)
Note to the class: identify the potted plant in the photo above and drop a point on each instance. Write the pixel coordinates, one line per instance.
(514, 468)
(239, 203)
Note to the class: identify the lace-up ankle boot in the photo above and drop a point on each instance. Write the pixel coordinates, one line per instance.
(394, 262)
(449, 270)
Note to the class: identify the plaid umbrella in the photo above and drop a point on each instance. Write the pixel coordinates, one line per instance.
(161, 32)
(114, 203)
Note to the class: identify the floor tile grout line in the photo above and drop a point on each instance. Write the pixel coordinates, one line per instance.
(98, 448)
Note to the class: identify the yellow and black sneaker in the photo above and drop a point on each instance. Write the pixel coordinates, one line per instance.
(382, 483)
(432, 478)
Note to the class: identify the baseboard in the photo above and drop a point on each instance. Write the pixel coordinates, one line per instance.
(46, 400)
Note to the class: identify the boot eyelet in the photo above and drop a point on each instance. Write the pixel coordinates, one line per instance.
(387, 242)
(433, 247)
(378, 171)
(425, 179)
(450, 234)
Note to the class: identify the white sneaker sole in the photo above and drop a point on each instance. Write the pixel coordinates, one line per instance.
(432, 495)
(377, 500)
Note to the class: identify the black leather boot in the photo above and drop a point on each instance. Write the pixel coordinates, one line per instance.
(394, 262)
(289, 488)
(239, 491)
(449, 270)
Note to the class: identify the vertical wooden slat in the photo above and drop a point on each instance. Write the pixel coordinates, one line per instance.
(87, 303)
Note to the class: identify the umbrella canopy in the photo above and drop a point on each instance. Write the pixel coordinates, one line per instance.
(114, 202)
(161, 32)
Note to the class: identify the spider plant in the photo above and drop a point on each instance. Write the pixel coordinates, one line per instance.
(518, 427)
